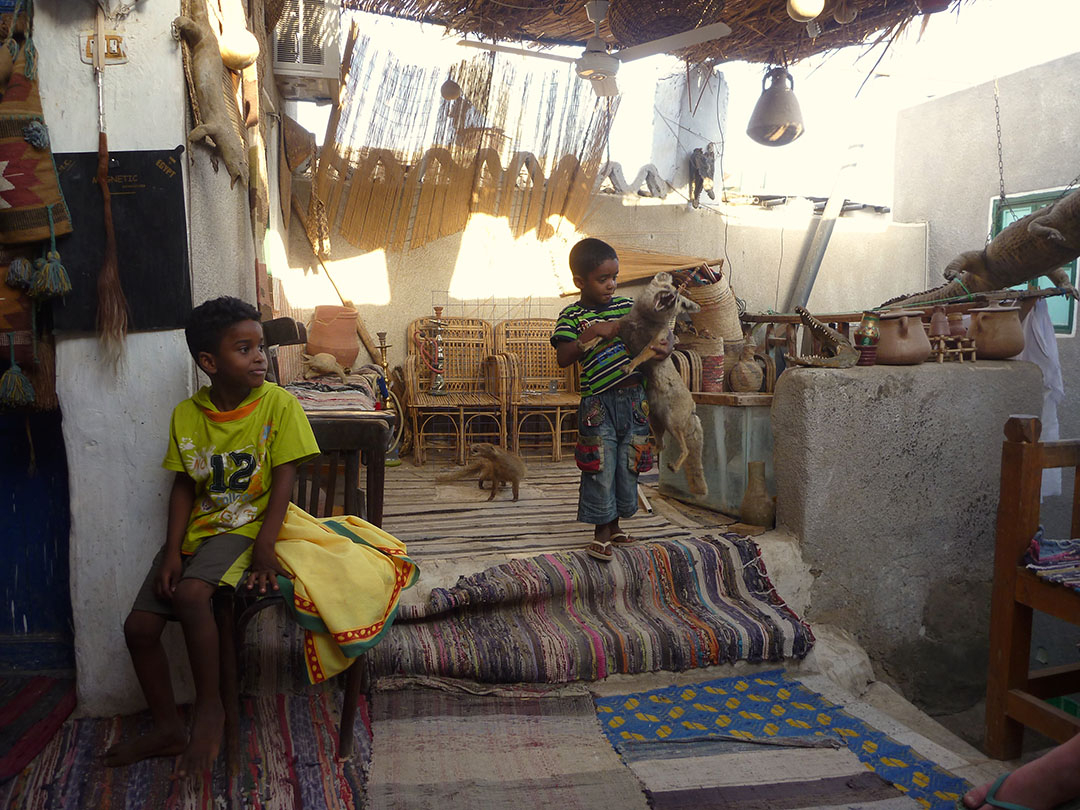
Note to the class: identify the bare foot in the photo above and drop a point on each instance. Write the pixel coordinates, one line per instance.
(166, 742)
(202, 749)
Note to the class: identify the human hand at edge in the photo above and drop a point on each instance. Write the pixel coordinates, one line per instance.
(265, 569)
(168, 574)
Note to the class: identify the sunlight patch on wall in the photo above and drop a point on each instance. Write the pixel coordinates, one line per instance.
(491, 262)
(361, 279)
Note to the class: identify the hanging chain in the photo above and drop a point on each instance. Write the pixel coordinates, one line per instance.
(1004, 204)
(1001, 163)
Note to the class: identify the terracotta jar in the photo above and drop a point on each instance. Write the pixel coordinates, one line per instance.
(939, 323)
(956, 325)
(997, 331)
(746, 375)
(758, 507)
(333, 330)
(903, 340)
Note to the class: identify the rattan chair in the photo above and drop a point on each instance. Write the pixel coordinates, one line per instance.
(540, 391)
(473, 405)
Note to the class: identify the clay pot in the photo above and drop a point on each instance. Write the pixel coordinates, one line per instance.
(333, 330)
(903, 340)
(956, 325)
(746, 375)
(758, 507)
(939, 323)
(997, 331)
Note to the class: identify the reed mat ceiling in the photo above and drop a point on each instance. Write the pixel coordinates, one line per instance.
(761, 30)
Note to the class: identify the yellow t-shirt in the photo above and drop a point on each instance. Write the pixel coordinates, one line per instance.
(231, 455)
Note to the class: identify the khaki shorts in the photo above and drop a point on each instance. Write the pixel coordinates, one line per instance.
(220, 560)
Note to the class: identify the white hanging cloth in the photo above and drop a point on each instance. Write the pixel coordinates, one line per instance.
(1040, 347)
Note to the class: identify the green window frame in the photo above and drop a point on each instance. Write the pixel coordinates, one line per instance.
(1062, 307)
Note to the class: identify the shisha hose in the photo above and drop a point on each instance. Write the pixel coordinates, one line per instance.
(423, 345)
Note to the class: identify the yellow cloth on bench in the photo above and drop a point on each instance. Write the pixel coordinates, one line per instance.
(347, 575)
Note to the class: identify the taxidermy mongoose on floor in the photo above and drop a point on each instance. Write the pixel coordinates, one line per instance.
(490, 463)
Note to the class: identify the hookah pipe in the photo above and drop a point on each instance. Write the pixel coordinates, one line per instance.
(424, 346)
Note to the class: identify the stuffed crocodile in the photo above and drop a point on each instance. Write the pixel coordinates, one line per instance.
(840, 353)
(1035, 245)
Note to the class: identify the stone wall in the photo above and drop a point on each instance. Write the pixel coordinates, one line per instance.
(889, 477)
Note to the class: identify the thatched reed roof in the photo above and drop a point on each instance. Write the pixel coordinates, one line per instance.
(761, 30)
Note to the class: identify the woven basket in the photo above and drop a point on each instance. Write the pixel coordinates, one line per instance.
(719, 314)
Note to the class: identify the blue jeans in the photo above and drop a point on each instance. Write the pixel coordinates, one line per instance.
(613, 447)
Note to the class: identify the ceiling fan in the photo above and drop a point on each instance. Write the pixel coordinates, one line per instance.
(597, 64)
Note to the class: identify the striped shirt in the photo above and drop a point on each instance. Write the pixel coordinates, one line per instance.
(601, 367)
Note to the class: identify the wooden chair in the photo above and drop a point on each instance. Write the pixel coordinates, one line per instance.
(327, 485)
(539, 389)
(1016, 697)
(472, 408)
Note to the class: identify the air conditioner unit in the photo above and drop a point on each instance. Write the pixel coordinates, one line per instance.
(307, 60)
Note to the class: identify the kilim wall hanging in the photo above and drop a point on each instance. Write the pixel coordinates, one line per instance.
(32, 214)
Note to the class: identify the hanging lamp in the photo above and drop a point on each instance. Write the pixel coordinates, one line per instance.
(777, 119)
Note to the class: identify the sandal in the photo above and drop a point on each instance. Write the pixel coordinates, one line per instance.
(622, 537)
(600, 550)
(992, 799)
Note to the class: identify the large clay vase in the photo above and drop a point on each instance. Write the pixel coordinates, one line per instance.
(997, 331)
(333, 330)
(758, 507)
(903, 340)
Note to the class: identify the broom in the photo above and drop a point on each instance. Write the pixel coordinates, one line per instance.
(112, 313)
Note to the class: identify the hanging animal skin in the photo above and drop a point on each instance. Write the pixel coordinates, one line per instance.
(207, 69)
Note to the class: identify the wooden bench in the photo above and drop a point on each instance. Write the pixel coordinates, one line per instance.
(1015, 696)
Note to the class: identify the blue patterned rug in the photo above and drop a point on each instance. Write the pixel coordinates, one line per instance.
(769, 708)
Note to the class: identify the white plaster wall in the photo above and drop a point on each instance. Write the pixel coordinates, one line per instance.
(116, 424)
(869, 259)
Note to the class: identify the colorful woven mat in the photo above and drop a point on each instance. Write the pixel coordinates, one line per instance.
(510, 749)
(32, 708)
(1055, 560)
(771, 707)
(670, 605)
(288, 742)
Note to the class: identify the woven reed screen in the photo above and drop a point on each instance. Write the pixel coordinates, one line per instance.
(407, 166)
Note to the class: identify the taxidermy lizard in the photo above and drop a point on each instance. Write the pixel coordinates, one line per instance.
(206, 69)
(490, 463)
(839, 352)
(1035, 245)
(323, 363)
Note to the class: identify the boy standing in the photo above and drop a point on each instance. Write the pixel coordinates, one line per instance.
(234, 447)
(613, 430)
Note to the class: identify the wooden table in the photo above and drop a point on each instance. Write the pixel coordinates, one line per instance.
(362, 437)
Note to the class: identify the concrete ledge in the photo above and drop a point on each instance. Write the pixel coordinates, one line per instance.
(889, 477)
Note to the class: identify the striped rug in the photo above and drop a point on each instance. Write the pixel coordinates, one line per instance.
(289, 744)
(669, 605)
(683, 742)
(454, 520)
(32, 708)
(1055, 560)
(511, 750)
